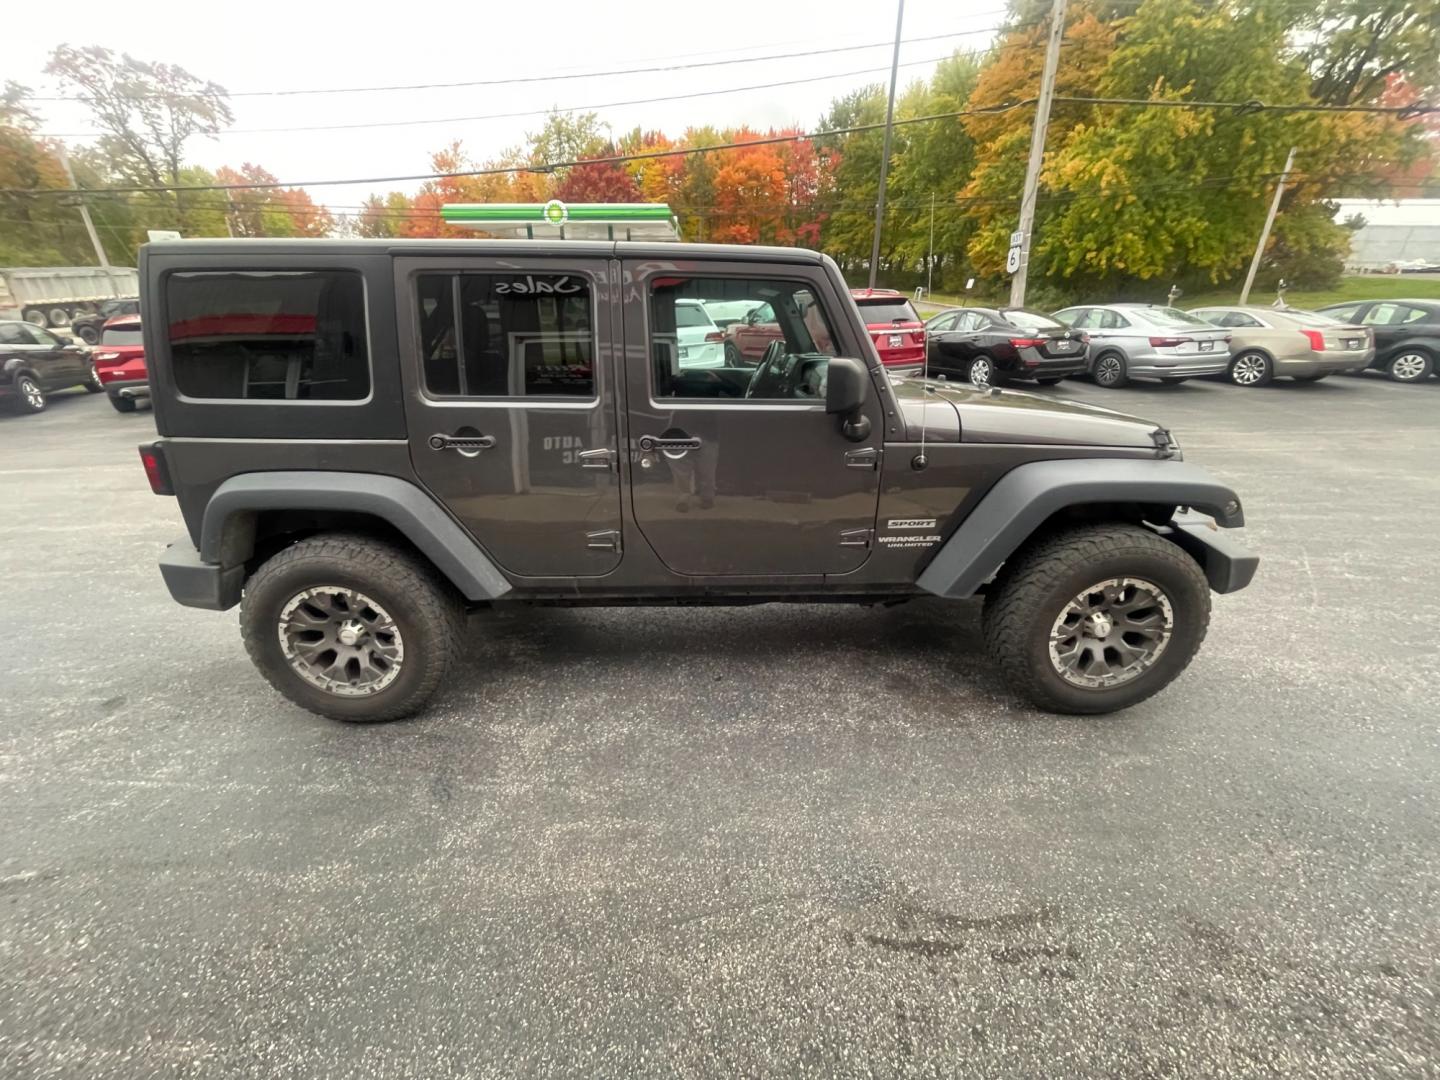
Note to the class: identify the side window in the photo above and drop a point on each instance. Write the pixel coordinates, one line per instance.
(1384, 315)
(507, 335)
(1080, 318)
(44, 337)
(1113, 320)
(779, 352)
(1239, 319)
(13, 334)
(269, 336)
(943, 323)
(1344, 314)
(1411, 314)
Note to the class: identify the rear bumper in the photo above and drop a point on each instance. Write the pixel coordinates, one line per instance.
(137, 389)
(1228, 566)
(1179, 367)
(199, 584)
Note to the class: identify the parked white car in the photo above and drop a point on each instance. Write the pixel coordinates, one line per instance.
(701, 342)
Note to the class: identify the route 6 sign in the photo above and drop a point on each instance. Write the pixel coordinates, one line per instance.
(1012, 260)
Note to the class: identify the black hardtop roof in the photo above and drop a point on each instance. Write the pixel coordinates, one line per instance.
(604, 249)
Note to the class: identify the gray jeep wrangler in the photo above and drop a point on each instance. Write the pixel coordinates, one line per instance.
(369, 439)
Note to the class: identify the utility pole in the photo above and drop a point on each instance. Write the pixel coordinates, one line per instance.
(1265, 232)
(89, 225)
(930, 262)
(885, 148)
(1037, 151)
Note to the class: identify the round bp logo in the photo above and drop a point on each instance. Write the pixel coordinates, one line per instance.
(555, 213)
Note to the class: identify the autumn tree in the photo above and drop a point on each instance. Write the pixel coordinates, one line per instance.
(147, 113)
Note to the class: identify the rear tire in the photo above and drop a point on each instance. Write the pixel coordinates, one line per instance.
(1039, 589)
(1411, 365)
(1110, 371)
(330, 582)
(1049, 382)
(89, 335)
(1171, 381)
(34, 315)
(29, 398)
(733, 358)
(980, 373)
(92, 383)
(123, 404)
(59, 317)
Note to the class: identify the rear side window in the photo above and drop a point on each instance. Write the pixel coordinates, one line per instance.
(1031, 320)
(507, 335)
(269, 336)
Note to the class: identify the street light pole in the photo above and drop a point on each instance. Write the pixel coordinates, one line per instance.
(885, 148)
(930, 261)
(1037, 150)
(1265, 232)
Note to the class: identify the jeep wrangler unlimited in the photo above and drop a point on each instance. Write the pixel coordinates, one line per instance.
(370, 438)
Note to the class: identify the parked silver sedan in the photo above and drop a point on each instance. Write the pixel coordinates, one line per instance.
(1268, 343)
(1147, 341)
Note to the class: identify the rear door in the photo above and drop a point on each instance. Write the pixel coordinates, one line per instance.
(740, 471)
(1393, 323)
(45, 355)
(511, 404)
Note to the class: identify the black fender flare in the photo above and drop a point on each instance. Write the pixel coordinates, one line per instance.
(1025, 497)
(226, 531)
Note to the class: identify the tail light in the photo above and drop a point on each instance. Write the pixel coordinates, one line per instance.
(107, 356)
(152, 456)
(1316, 338)
(1027, 342)
(715, 337)
(1169, 342)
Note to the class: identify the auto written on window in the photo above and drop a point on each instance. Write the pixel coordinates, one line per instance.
(507, 335)
(263, 336)
(734, 338)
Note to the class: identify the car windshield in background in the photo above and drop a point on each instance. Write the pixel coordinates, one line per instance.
(691, 315)
(117, 336)
(1169, 316)
(882, 311)
(1312, 318)
(1031, 320)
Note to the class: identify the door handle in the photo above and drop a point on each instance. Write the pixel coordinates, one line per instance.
(596, 459)
(463, 443)
(651, 443)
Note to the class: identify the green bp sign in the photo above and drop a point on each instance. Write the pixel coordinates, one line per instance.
(555, 213)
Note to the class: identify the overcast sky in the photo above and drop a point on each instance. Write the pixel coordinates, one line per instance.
(306, 45)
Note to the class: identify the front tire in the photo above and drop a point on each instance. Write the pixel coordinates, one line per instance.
(1110, 371)
(1096, 618)
(1251, 368)
(351, 627)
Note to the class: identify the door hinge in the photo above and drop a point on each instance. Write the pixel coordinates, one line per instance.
(856, 537)
(605, 540)
(867, 457)
(596, 459)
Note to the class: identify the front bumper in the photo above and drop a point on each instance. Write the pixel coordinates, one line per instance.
(1228, 566)
(199, 584)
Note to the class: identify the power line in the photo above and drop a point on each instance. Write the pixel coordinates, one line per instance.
(1403, 112)
(536, 112)
(519, 79)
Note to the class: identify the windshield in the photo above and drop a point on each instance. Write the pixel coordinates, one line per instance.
(883, 311)
(691, 315)
(120, 336)
(1169, 316)
(1311, 318)
(1031, 320)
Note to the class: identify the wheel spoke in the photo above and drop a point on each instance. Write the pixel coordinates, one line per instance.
(341, 641)
(1111, 633)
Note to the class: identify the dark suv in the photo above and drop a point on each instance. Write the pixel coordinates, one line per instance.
(369, 439)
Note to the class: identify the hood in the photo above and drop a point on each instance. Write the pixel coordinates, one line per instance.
(1014, 416)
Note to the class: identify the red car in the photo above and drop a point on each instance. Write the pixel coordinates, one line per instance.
(897, 330)
(120, 362)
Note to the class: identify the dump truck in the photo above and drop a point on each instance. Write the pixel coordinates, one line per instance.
(57, 295)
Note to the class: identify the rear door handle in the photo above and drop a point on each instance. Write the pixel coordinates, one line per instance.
(463, 443)
(596, 459)
(651, 443)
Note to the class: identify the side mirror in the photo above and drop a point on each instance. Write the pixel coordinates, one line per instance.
(847, 384)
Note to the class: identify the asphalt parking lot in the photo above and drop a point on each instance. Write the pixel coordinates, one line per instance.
(760, 841)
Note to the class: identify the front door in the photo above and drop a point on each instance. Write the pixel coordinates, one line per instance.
(55, 367)
(739, 470)
(510, 404)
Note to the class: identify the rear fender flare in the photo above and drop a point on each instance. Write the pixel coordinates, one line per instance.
(227, 530)
(1028, 495)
